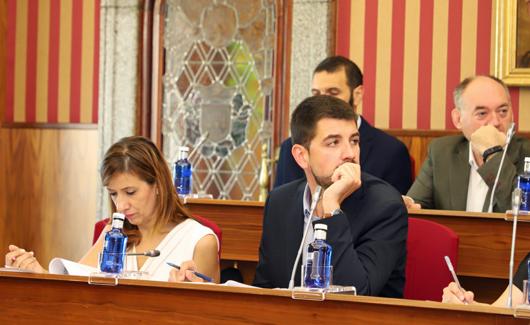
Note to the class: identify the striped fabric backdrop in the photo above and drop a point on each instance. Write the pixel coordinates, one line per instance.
(52, 61)
(414, 52)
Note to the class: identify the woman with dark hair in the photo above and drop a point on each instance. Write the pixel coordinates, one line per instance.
(140, 186)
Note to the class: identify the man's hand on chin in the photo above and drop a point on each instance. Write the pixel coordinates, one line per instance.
(346, 180)
(486, 137)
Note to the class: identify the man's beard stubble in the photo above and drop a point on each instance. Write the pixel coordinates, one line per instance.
(323, 181)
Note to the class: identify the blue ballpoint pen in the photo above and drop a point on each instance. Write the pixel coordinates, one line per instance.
(200, 275)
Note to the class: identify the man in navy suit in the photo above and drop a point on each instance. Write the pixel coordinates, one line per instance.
(382, 155)
(366, 218)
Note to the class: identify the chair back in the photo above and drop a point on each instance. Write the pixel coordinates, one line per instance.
(98, 228)
(213, 226)
(100, 225)
(426, 272)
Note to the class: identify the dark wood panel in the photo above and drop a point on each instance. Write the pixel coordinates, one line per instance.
(240, 223)
(48, 198)
(63, 299)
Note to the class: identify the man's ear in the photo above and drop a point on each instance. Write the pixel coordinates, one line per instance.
(301, 155)
(358, 94)
(456, 116)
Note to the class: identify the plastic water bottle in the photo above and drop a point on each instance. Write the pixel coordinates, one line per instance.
(113, 256)
(318, 270)
(523, 182)
(182, 172)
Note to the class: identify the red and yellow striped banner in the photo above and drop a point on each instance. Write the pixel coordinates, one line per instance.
(52, 61)
(414, 52)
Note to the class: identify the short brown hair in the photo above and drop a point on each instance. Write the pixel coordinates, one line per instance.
(139, 156)
(311, 110)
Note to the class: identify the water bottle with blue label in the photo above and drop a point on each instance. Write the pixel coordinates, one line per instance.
(182, 172)
(113, 256)
(318, 270)
(523, 182)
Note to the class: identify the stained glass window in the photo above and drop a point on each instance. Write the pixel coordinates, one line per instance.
(217, 91)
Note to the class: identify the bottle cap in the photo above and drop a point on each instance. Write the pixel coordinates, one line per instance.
(117, 220)
(321, 231)
(183, 152)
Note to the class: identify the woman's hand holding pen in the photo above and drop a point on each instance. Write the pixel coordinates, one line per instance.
(455, 295)
(185, 273)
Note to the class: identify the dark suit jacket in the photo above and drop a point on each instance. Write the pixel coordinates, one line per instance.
(368, 239)
(382, 155)
(444, 176)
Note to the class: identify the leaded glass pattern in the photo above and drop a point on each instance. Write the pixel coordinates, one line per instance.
(218, 87)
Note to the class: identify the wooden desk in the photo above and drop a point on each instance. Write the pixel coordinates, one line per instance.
(37, 299)
(240, 222)
(484, 247)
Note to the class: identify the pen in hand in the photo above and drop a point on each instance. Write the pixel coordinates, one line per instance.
(455, 278)
(200, 275)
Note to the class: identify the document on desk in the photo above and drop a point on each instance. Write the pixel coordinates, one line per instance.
(64, 266)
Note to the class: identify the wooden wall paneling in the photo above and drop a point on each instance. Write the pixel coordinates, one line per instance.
(3, 57)
(48, 198)
(3, 195)
(20, 165)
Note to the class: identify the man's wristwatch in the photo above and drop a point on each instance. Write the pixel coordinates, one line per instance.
(490, 151)
(332, 213)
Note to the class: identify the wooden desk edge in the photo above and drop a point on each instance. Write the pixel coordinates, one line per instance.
(266, 292)
(459, 214)
(191, 201)
(412, 212)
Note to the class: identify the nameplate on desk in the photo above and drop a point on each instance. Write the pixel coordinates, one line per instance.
(522, 311)
(304, 293)
(524, 216)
